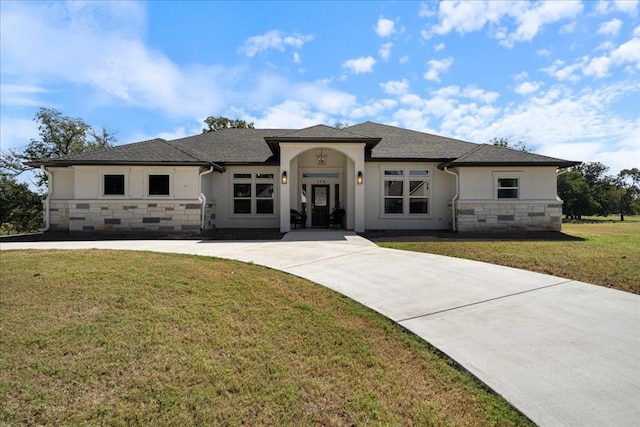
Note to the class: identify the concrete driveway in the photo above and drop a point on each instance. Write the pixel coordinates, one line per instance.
(563, 352)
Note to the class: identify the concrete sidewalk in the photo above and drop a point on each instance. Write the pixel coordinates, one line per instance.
(562, 352)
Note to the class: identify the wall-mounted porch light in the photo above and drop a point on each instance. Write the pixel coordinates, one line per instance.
(360, 178)
(284, 177)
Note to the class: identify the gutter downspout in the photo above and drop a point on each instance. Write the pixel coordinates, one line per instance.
(558, 173)
(201, 197)
(47, 211)
(453, 200)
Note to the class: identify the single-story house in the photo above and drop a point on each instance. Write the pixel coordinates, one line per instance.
(377, 176)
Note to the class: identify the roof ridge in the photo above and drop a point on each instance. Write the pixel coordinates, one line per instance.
(175, 146)
(413, 131)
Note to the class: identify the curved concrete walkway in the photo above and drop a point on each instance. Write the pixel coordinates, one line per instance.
(563, 352)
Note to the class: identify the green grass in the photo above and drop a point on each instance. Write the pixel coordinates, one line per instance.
(131, 338)
(605, 252)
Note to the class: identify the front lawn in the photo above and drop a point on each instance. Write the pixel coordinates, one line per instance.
(131, 338)
(604, 252)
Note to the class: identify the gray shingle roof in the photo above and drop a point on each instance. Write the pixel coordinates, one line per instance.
(490, 155)
(153, 151)
(321, 132)
(261, 146)
(230, 145)
(398, 143)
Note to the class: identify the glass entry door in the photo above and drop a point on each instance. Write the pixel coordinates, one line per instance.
(320, 205)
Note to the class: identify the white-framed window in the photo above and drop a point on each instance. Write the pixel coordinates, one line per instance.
(405, 192)
(507, 188)
(158, 185)
(253, 194)
(113, 184)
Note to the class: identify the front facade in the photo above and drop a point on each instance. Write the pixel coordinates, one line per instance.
(377, 176)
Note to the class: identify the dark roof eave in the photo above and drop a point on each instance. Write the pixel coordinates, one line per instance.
(560, 164)
(406, 159)
(64, 163)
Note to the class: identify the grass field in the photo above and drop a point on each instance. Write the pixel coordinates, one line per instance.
(604, 252)
(131, 338)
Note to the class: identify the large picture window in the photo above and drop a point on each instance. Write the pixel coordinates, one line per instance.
(113, 185)
(253, 194)
(406, 192)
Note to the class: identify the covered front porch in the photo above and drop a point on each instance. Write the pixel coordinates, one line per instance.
(322, 171)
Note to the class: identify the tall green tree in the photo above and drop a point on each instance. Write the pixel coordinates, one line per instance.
(20, 208)
(58, 136)
(573, 189)
(217, 123)
(628, 180)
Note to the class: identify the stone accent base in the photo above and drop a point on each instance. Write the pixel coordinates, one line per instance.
(59, 215)
(178, 216)
(489, 216)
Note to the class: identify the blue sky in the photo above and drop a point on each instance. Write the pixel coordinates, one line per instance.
(563, 77)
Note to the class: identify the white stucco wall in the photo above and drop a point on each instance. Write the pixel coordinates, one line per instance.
(442, 189)
(537, 183)
(63, 183)
(183, 181)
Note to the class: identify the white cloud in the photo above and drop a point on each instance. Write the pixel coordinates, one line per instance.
(568, 28)
(395, 87)
(404, 59)
(273, 39)
(17, 132)
(543, 52)
(530, 21)
(21, 95)
(323, 98)
(627, 52)
(296, 58)
(465, 16)
(384, 27)
(99, 46)
(636, 31)
(364, 64)
(439, 47)
(598, 67)
(385, 51)
(436, 67)
(521, 76)
(629, 7)
(527, 88)
(425, 10)
(372, 109)
(290, 115)
(610, 28)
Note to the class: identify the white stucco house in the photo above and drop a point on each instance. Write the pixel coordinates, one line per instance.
(381, 177)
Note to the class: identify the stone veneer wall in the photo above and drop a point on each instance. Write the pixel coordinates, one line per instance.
(129, 216)
(59, 215)
(483, 216)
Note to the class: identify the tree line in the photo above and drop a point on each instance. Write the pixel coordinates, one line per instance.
(586, 189)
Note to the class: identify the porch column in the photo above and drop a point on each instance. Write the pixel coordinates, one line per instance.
(358, 225)
(285, 189)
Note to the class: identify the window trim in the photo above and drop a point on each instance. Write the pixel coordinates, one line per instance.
(124, 186)
(499, 176)
(254, 178)
(148, 185)
(407, 175)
